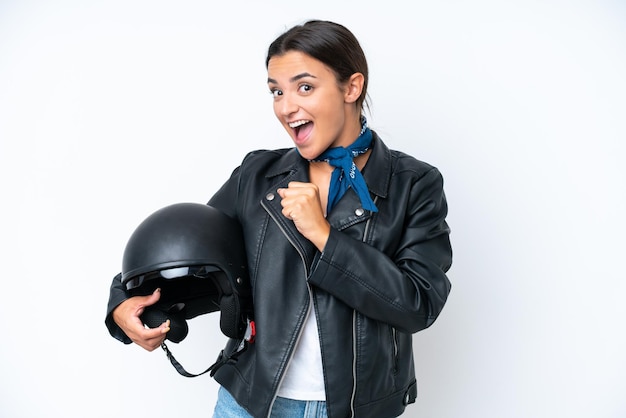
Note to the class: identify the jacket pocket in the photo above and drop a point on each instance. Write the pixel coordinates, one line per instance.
(393, 335)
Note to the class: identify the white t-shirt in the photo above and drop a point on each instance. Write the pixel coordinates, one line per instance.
(304, 378)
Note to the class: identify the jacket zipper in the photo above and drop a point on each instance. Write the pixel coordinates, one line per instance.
(354, 353)
(308, 312)
(394, 341)
(354, 331)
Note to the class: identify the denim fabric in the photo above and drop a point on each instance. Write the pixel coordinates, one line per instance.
(291, 408)
(227, 407)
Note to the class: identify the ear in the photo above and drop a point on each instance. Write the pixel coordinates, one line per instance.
(354, 87)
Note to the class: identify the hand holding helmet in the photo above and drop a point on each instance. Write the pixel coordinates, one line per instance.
(182, 261)
(128, 317)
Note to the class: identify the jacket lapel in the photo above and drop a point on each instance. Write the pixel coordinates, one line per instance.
(377, 175)
(347, 212)
(291, 167)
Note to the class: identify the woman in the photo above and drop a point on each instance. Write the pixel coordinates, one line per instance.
(347, 246)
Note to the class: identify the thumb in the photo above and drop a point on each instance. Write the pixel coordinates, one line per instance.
(149, 300)
(154, 297)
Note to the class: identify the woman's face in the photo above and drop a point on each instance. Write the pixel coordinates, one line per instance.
(316, 111)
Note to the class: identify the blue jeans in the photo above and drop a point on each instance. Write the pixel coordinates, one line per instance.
(227, 407)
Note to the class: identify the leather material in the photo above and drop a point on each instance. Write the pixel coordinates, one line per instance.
(381, 278)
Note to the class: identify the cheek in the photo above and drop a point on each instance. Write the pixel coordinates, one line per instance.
(331, 107)
(332, 117)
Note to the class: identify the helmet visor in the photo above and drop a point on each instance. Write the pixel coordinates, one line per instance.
(171, 274)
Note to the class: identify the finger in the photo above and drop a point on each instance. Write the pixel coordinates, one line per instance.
(287, 213)
(165, 327)
(161, 329)
(149, 300)
(153, 298)
(150, 338)
(151, 344)
(298, 184)
(296, 188)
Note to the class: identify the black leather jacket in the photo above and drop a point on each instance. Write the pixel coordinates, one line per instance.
(380, 278)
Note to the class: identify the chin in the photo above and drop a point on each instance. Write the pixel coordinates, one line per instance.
(307, 154)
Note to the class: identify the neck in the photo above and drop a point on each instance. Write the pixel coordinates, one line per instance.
(353, 128)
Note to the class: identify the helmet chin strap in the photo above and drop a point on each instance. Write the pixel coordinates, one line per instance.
(222, 359)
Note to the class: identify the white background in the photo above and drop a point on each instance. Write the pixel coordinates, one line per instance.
(111, 110)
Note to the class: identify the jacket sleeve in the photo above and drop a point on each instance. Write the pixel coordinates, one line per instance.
(117, 295)
(406, 289)
(117, 292)
(226, 197)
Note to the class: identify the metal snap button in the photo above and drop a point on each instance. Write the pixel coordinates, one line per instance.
(270, 196)
(359, 212)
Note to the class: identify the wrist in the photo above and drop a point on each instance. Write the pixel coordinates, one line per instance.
(321, 238)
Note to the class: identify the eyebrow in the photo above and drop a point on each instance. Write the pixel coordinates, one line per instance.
(294, 78)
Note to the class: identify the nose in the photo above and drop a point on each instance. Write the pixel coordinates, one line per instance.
(286, 105)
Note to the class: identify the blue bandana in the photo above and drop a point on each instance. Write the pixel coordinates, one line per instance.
(346, 173)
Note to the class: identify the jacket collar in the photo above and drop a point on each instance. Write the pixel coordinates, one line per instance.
(377, 171)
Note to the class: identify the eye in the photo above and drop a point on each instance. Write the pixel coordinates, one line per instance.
(276, 92)
(305, 88)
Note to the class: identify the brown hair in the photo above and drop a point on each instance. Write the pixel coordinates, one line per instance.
(328, 42)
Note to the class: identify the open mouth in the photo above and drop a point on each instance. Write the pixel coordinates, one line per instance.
(301, 128)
